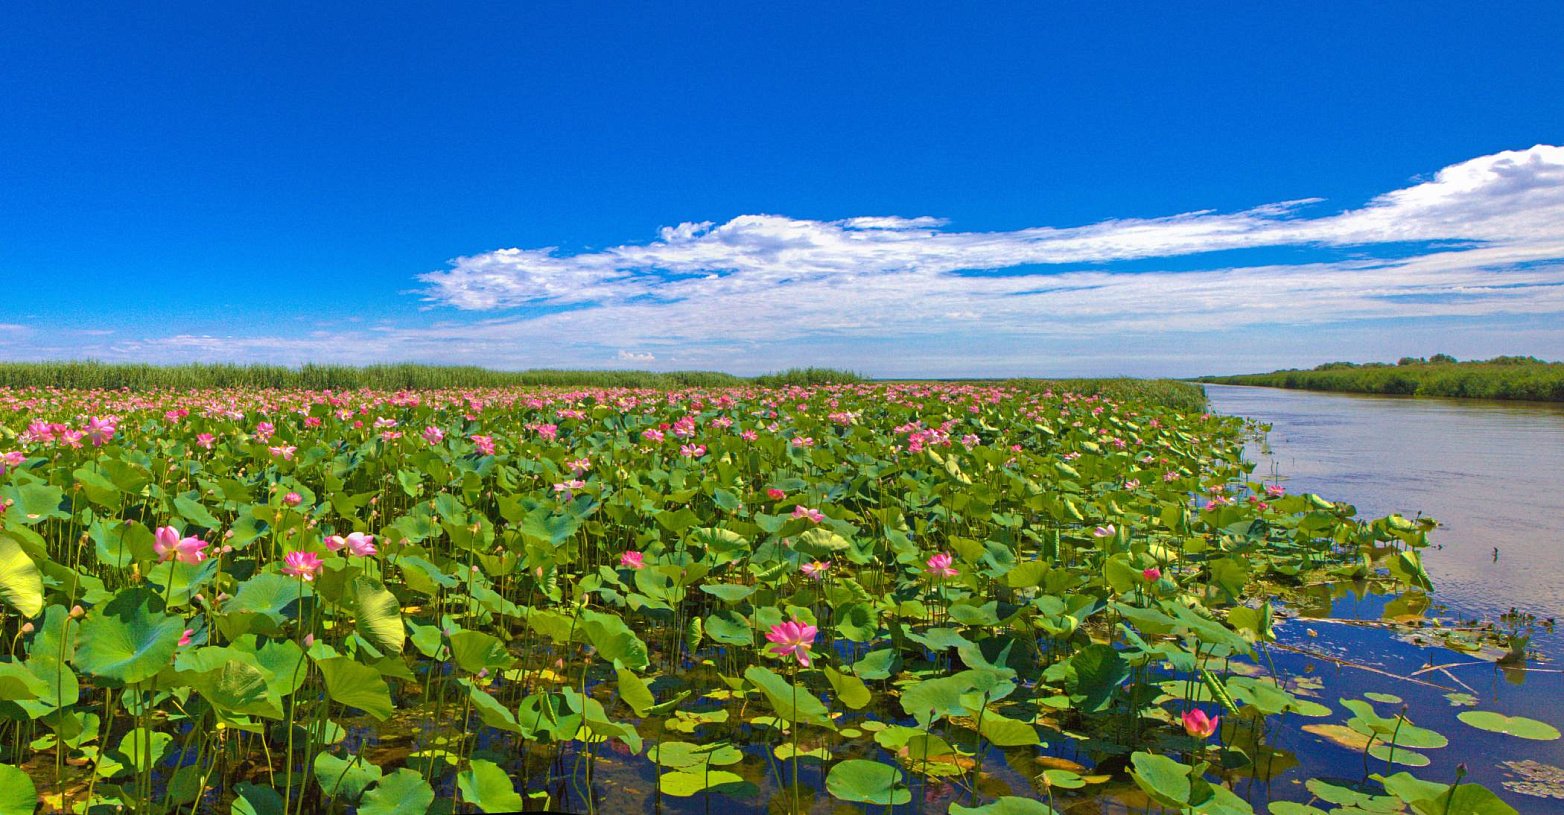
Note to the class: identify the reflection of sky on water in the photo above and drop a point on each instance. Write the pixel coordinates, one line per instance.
(1490, 472)
(1533, 694)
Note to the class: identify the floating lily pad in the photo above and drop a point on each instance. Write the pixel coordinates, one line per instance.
(867, 782)
(1006, 805)
(1519, 726)
(686, 783)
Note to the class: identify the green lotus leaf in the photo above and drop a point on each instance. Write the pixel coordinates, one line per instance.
(849, 689)
(251, 799)
(867, 782)
(489, 709)
(614, 640)
(192, 511)
(261, 605)
(21, 584)
(32, 503)
(1005, 732)
(18, 795)
(1005, 805)
(687, 783)
(1430, 798)
(730, 593)
(18, 683)
(126, 642)
(791, 705)
(1292, 808)
(489, 788)
(347, 777)
(231, 680)
(378, 615)
(475, 651)
(1519, 726)
(1162, 778)
(683, 755)
(140, 748)
(633, 690)
(356, 685)
(730, 628)
(1346, 793)
(403, 792)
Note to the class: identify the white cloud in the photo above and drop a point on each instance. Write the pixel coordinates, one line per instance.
(1513, 198)
(1479, 243)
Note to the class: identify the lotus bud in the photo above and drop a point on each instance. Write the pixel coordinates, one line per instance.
(77, 612)
(27, 628)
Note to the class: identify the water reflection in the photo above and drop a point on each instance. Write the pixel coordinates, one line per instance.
(1490, 473)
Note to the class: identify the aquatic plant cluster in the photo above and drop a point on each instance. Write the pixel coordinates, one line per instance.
(1518, 378)
(990, 599)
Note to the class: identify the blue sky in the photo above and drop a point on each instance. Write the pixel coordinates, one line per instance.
(900, 189)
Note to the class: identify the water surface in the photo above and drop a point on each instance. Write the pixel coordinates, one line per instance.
(1492, 474)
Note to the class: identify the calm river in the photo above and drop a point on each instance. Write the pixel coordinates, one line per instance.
(1490, 473)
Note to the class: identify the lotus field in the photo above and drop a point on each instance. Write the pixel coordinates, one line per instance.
(931, 598)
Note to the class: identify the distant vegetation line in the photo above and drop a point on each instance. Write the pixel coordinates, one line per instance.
(1518, 378)
(114, 376)
(1166, 392)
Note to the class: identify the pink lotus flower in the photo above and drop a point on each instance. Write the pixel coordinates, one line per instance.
(433, 435)
(940, 565)
(748, 435)
(204, 440)
(1105, 531)
(185, 639)
(1275, 490)
(632, 560)
(1198, 725)
(99, 431)
(284, 451)
(485, 444)
(293, 499)
(653, 436)
(1152, 574)
(360, 544)
(335, 542)
(303, 565)
(814, 515)
(692, 450)
(802, 441)
(816, 569)
(12, 460)
(792, 637)
(169, 546)
(775, 494)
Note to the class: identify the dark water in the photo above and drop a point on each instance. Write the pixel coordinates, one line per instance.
(1492, 474)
